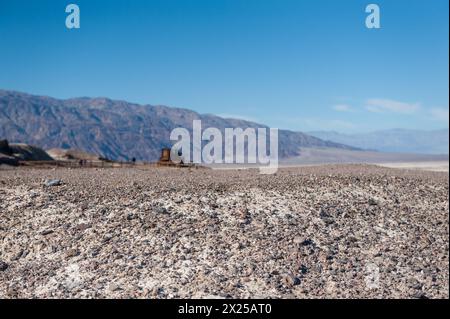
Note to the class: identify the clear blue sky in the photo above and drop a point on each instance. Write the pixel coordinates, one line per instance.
(303, 65)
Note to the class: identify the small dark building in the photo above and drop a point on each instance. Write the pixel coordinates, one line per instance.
(165, 155)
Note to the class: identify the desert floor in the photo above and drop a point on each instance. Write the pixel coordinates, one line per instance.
(439, 166)
(333, 231)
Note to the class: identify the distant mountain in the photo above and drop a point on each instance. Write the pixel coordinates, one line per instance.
(397, 140)
(116, 129)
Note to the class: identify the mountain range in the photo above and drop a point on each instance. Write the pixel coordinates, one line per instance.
(395, 141)
(118, 130)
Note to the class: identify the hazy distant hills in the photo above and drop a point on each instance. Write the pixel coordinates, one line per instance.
(397, 140)
(116, 129)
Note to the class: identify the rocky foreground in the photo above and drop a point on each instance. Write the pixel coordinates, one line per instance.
(313, 232)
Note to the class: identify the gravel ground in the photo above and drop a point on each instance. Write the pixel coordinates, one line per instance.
(342, 231)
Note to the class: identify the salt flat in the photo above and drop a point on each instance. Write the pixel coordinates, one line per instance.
(440, 166)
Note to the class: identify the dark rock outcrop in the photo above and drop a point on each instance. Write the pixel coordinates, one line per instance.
(4, 147)
(8, 160)
(24, 152)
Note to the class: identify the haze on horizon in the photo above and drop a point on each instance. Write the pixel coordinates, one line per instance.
(299, 65)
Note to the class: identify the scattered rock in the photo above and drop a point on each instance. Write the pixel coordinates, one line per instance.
(160, 210)
(73, 252)
(18, 255)
(113, 287)
(326, 217)
(303, 269)
(46, 232)
(82, 227)
(307, 242)
(3, 266)
(420, 295)
(107, 238)
(131, 216)
(290, 280)
(53, 182)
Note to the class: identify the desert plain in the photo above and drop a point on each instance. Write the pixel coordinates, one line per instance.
(327, 231)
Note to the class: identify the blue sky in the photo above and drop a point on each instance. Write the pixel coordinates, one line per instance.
(302, 65)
